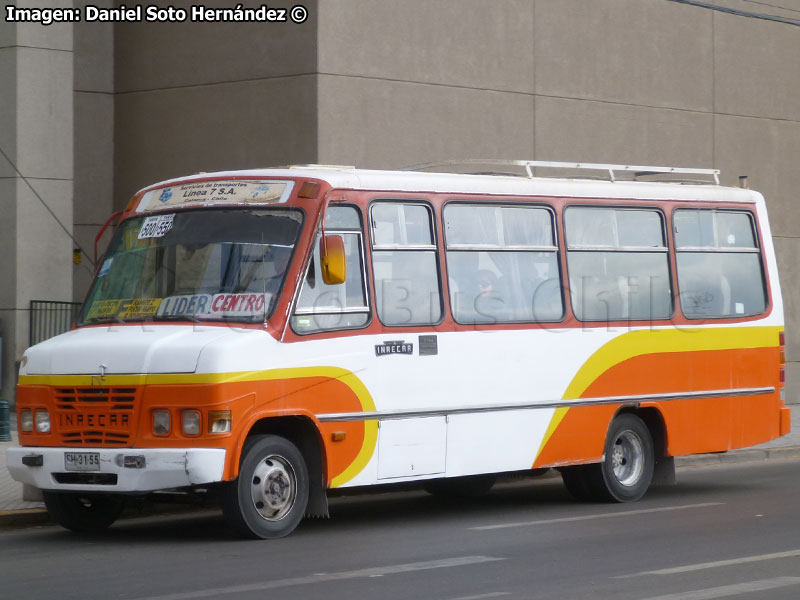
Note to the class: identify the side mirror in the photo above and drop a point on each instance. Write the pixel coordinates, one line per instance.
(334, 264)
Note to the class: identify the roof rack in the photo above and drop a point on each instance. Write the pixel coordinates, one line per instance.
(526, 168)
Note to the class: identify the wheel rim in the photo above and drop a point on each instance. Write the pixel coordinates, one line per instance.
(627, 458)
(273, 488)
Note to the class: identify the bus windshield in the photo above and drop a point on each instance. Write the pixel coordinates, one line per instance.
(213, 265)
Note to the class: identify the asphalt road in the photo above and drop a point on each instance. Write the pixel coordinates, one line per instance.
(723, 532)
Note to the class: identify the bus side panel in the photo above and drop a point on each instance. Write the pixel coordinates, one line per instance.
(269, 394)
(578, 438)
(692, 425)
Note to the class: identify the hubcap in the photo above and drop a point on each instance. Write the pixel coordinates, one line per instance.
(627, 458)
(273, 488)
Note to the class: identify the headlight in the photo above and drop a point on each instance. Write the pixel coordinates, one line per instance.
(191, 422)
(26, 420)
(161, 422)
(42, 421)
(219, 421)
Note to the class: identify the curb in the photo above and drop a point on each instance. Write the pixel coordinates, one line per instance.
(738, 456)
(25, 517)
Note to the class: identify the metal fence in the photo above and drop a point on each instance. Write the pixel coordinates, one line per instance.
(51, 317)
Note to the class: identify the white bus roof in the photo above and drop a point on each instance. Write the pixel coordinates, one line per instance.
(351, 178)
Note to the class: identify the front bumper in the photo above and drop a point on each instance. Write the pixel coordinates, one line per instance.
(166, 468)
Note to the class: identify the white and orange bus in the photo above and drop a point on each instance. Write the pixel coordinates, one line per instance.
(278, 333)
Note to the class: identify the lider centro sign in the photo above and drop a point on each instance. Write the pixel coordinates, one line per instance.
(191, 306)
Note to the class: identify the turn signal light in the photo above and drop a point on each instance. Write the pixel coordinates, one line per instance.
(219, 421)
(309, 190)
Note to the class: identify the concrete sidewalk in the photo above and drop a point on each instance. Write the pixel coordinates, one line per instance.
(13, 509)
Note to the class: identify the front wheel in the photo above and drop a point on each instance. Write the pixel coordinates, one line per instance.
(626, 471)
(85, 513)
(269, 498)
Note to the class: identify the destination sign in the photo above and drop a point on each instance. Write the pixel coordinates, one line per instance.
(205, 193)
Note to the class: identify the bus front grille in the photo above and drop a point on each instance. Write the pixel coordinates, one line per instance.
(95, 416)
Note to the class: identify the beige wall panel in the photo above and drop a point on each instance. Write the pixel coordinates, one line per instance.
(768, 152)
(152, 56)
(94, 52)
(94, 157)
(44, 249)
(177, 132)
(470, 43)
(8, 110)
(792, 393)
(582, 131)
(57, 36)
(44, 113)
(628, 51)
(785, 8)
(787, 251)
(757, 72)
(378, 124)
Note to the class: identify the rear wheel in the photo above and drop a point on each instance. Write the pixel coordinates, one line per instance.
(269, 498)
(626, 471)
(83, 512)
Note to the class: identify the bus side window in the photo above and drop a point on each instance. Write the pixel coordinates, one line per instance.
(502, 264)
(618, 264)
(322, 307)
(720, 273)
(405, 264)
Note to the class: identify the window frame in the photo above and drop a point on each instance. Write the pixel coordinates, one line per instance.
(316, 237)
(458, 247)
(665, 250)
(432, 247)
(717, 249)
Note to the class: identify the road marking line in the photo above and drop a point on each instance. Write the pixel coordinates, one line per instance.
(715, 564)
(628, 513)
(731, 590)
(481, 596)
(457, 561)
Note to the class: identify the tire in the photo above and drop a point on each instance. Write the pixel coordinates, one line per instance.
(84, 513)
(575, 480)
(472, 486)
(269, 498)
(626, 471)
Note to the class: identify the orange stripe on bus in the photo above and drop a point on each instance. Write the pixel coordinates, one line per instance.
(674, 360)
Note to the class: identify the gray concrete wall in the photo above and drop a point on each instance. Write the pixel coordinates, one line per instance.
(409, 82)
(36, 126)
(203, 97)
(93, 63)
(615, 81)
(380, 84)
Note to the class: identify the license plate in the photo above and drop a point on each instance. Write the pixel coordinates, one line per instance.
(82, 461)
